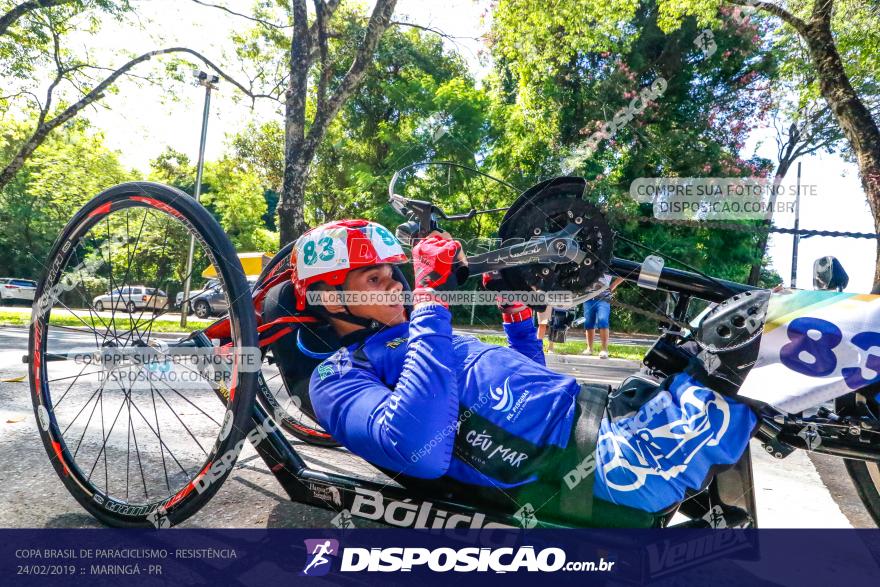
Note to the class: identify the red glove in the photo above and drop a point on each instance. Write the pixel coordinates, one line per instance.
(510, 312)
(436, 263)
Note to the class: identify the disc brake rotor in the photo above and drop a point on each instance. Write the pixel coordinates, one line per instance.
(547, 208)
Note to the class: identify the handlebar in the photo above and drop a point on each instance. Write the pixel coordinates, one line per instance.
(678, 280)
(422, 218)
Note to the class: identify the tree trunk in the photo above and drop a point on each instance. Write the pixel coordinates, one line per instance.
(291, 217)
(300, 147)
(853, 117)
(291, 222)
(763, 235)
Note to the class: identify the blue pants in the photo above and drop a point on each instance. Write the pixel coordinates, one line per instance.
(597, 314)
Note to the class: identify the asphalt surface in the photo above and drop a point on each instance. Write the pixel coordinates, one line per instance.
(801, 491)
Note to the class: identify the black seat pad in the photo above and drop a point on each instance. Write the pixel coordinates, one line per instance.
(296, 367)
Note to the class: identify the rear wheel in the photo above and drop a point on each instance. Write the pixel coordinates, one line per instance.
(142, 428)
(290, 408)
(866, 477)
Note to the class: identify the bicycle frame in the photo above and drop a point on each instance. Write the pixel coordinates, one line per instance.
(392, 505)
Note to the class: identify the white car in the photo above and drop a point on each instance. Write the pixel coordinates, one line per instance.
(17, 290)
(132, 298)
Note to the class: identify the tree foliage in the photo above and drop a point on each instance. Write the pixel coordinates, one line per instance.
(68, 169)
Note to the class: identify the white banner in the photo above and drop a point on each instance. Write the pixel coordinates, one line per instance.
(816, 346)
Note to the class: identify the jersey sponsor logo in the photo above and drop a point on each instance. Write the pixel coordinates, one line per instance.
(491, 449)
(395, 342)
(339, 362)
(666, 443)
(504, 402)
(518, 406)
(325, 371)
(502, 397)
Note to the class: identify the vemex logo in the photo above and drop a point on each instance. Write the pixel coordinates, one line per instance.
(502, 397)
(319, 555)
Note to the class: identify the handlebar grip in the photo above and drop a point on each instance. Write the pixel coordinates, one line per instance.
(461, 272)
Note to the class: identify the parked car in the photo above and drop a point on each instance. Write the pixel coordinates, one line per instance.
(211, 284)
(17, 290)
(132, 298)
(212, 299)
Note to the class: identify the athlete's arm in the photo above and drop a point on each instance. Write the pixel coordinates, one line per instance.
(410, 428)
(522, 336)
(521, 333)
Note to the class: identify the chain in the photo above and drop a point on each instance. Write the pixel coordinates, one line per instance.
(737, 227)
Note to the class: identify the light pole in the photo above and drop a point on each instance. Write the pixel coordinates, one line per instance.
(208, 81)
(797, 238)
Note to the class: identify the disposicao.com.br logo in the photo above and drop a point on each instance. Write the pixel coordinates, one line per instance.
(444, 559)
(319, 555)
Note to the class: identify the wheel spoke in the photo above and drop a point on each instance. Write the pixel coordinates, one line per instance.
(94, 393)
(159, 432)
(104, 446)
(87, 424)
(185, 427)
(63, 395)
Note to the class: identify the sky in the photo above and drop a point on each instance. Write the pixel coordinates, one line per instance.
(140, 121)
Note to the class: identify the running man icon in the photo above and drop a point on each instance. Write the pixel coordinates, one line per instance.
(318, 559)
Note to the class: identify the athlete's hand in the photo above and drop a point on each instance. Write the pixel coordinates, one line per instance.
(511, 310)
(438, 263)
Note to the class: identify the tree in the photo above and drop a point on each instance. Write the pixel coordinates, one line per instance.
(801, 119)
(301, 143)
(842, 38)
(235, 195)
(417, 102)
(559, 79)
(68, 169)
(34, 61)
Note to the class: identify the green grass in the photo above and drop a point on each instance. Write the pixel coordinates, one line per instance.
(617, 351)
(121, 323)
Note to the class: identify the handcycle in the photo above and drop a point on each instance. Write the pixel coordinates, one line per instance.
(226, 389)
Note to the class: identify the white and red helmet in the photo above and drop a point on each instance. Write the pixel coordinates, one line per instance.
(328, 252)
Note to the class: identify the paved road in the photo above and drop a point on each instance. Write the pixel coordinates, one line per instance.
(801, 491)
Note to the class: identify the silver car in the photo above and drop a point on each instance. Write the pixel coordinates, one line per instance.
(17, 290)
(132, 298)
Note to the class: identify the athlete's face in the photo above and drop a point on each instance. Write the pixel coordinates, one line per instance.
(378, 279)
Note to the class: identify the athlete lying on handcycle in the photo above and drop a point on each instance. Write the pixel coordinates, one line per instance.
(488, 422)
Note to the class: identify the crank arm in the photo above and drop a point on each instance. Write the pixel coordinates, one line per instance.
(547, 250)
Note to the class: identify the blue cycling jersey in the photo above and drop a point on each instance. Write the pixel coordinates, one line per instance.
(420, 400)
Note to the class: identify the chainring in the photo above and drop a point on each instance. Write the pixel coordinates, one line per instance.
(547, 208)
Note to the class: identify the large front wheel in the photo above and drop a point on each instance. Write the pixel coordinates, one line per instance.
(132, 409)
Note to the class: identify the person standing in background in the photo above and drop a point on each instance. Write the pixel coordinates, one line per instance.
(543, 322)
(597, 314)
